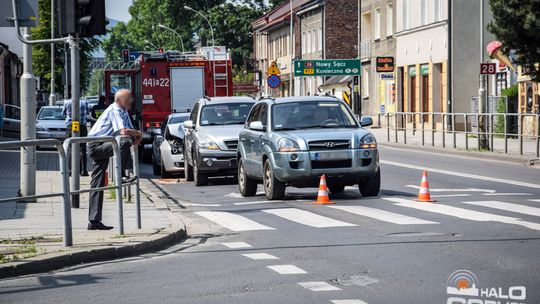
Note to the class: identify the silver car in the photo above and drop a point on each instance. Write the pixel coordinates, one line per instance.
(212, 137)
(51, 123)
(168, 148)
(11, 122)
(293, 141)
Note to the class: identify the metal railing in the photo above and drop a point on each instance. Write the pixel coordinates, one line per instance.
(496, 125)
(63, 150)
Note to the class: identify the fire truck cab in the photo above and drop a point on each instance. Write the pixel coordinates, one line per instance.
(167, 82)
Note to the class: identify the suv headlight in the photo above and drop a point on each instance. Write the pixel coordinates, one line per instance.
(368, 142)
(208, 145)
(288, 145)
(40, 128)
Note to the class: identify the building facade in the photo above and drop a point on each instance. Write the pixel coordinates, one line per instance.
(377, 22)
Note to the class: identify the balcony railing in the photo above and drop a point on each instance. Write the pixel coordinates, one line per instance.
(365, 50)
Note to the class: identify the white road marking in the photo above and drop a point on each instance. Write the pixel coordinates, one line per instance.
(260, 256)
(351, 301)
(454, 190)
(462, 213)
(461, 174)
(201, 205)
(506, 194)
(383, 215)
(236, 245)
(307, 218)
(232, 221)
(450, 195)
(234, 195)
(318, 286)
(535, 200)
(287, 269)
(255, 203)
(507, 207)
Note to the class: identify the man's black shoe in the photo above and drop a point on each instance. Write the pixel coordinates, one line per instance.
(126, 180)
(98, 226)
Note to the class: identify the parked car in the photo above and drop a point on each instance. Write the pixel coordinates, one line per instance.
(293, 141)
(212, 137)
(11, 122)
(167, 148)
(51, 123)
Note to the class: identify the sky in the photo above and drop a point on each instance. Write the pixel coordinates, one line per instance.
(118, 9)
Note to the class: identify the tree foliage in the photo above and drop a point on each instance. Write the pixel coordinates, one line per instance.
(516, 23)
(41, 53)
(231, 21)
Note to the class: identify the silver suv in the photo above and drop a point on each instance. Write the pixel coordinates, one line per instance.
(211, 138)
(293, 141)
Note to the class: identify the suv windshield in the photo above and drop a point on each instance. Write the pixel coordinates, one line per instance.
(51, 114)
(225, 114)
(311, 114)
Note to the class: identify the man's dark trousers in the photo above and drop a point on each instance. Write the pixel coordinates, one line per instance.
(100, 153)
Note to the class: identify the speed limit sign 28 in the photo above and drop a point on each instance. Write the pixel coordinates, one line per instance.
(488, 68)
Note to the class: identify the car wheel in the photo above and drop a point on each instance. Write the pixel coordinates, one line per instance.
(246, 185)
(188, 171)
(199, 178)
(156, 167)
(336, 188)
(273, 188)
(371, 186)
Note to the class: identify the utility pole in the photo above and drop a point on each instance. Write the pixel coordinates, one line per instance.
(75, 119)
(66, 71)
(483, 142)
(52, 97)
(28, 120)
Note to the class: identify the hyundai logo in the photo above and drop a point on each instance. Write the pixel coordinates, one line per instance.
(330, 144)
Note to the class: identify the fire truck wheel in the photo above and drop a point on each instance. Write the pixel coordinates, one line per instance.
(199, 178)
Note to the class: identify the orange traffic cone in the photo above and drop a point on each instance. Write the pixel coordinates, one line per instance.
(423, 194)
(322, 196)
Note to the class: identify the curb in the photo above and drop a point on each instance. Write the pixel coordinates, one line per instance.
(58, 261)
(493, 156)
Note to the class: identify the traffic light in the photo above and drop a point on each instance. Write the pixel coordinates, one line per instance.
(125, 56)
(85, 17)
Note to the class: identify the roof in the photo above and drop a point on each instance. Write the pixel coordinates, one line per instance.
(277, 15)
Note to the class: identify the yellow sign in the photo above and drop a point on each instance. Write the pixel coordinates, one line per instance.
(309, 71)
(346, 97)
(273, 69)
(75, 126)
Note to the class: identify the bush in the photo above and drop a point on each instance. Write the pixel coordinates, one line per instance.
(510, 93)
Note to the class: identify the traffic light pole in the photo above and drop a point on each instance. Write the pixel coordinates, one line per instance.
(75, 119)
(28, 121)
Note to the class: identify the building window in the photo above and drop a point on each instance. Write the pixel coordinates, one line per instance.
(423, 9)
(389, 19)
(303, 42)
(308, 42)
(405, 11)
(314, 40)
(365, 82)
(437, 10)
(319, 47)
(377, 24)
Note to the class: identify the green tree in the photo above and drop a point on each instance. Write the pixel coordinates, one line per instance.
(516, 23)
(41, 55)
(274, 3)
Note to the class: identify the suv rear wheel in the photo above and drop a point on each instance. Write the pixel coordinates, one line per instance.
(273, 188)
(371, 186)
(199, 178)
(246, 185)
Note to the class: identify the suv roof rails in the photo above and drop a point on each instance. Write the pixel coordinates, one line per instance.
(265, 97)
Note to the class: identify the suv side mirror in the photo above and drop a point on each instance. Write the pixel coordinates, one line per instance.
(256, 126)
(188, 124)
(366, 121)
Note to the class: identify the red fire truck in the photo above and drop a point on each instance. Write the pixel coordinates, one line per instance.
(166, 82)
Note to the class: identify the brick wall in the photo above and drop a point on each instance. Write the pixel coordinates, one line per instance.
(341, 17)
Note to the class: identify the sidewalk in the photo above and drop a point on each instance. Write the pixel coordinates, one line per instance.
(31, 233)
(415, 139)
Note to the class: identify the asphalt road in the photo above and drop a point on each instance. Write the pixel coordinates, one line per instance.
(388, 249)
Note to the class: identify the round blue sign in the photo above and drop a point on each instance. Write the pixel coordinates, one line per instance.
(274, 81)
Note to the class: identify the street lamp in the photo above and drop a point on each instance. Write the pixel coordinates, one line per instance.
(151, 44)
(170, 29)
(208, 21)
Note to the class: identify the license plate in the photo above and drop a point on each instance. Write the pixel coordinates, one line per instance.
(334, 155)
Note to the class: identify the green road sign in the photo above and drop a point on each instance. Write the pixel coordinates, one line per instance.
(328, 67)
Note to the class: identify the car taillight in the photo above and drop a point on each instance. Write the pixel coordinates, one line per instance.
(147, 125)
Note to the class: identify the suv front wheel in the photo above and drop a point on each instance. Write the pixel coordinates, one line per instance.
(246, 185)
(188, 169)
(199, 178)
(371, 186)
(273, 188)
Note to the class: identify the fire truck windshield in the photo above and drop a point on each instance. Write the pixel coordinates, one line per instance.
(225, 114)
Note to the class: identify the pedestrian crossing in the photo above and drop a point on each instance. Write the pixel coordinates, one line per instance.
(402, 211)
